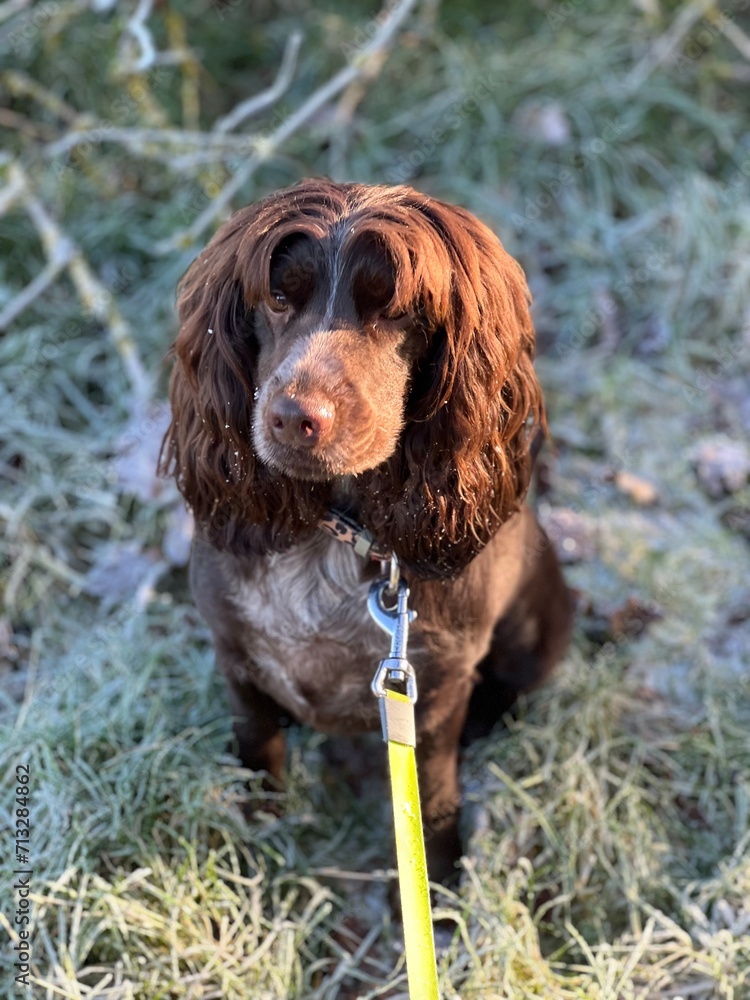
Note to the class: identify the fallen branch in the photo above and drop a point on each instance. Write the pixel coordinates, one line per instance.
(209, 146)
(96, 299)
(12, 7)
(254, 105)
(265, 148)
(667, 44)
(36, 287)
(20, 83)
(137, 29)
(137, 139)
(16, 122)
(734, 33)
(10, 194)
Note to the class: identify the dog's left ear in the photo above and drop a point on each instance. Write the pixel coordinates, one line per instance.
(475, 404)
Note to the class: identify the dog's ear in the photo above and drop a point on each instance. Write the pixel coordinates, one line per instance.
(236, 502)
(475, 404)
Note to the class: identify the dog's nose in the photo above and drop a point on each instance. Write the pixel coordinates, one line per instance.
(300, 423)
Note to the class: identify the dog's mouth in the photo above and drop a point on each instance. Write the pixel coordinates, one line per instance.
(305, 465)
(321, 464)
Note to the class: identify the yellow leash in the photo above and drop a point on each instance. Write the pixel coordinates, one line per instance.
(419, 942)
(399, 731)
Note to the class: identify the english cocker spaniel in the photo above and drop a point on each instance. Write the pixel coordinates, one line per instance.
(357, 361)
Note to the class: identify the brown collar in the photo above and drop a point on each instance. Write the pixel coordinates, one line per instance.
(346, 529)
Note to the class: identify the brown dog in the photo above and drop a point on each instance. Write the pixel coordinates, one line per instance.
(367, 350)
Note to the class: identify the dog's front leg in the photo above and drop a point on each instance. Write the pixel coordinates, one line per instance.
(437, 763)
(256, 719)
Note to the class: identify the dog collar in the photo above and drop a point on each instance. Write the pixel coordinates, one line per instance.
(346, 529)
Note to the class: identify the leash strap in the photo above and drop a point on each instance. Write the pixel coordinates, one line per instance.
(419, 943)
(399, 731)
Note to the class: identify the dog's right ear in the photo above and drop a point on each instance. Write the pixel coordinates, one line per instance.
(208, 447)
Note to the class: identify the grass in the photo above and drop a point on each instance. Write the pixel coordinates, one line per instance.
(608, 828)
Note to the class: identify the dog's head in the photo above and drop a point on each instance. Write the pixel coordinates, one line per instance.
(370, 340)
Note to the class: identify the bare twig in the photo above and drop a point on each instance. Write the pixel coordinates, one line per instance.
(95, 297)
(53, 15)
(149, 56)
(12, 7)
(18, 82)
(666, 45)
(174, 57)
(138, 138)
(346, 110)
(428, 15)
(20, 123)
(10, 194)
(136, 27)
(266, 147)
(350, 963)
(734, 33)
(36, 287)
(254, 105)
(216, 145)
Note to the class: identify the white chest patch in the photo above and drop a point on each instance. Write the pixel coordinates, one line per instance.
(313, 646)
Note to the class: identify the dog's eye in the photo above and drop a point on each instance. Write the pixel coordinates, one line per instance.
(279, 301)
(395, 317)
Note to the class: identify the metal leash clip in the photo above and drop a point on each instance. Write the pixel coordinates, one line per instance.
(396, 709)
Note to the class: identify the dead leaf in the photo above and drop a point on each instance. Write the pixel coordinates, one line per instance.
(543, 121)
(722, 465)
(737, 519)
(632, 618)
(640, 490)
(137, 454)
(120, 571)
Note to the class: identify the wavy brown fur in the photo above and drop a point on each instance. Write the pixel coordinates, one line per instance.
(462, 463)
